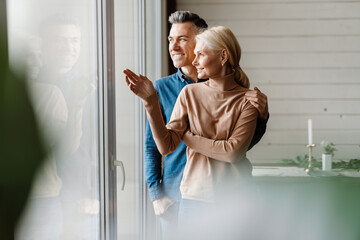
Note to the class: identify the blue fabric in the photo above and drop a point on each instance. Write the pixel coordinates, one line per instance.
(168, 183)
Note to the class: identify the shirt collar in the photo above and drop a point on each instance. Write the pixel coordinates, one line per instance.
(224, 83)
(184, 78)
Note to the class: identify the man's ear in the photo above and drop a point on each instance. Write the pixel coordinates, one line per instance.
(224, 56)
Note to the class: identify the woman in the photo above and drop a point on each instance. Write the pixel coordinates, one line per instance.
(213, 118)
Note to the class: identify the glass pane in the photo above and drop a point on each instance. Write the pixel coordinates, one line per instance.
(55, 41)
(126, 149)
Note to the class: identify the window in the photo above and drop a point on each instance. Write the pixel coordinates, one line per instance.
(91, 185)
(58, 49)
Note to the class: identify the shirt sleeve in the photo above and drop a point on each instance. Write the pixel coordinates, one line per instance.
(231, 149)
(152, 165)
(153, 160)
(167, 137)
(259, 131)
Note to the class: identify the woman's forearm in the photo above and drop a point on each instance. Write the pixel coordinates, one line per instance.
(231, 149)
(166, 140)
(222, 150)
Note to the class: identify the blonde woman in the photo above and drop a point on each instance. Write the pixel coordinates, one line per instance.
(213, 118)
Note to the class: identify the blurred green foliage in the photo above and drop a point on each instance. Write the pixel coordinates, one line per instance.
(303, 162)
(21, 146)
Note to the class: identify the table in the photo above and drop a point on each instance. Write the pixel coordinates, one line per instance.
(282, 171)
(317, 206)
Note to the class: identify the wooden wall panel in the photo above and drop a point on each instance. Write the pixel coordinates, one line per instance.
(299, 137)
(312, 92)
(304, 76)
(320, 122)
(300, 60)
(302, 107)
(264, 28)
(302, 44)
(277, 10)
(220, 2)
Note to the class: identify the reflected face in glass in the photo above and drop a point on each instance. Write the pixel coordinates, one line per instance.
(34, 59)
(63, 46)
(207, 61)
(182, 43)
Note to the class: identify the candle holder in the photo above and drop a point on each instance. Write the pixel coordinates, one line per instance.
(310, 167)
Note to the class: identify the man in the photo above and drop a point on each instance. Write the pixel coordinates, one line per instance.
(76, 154)
(63, 203)
(164, 186)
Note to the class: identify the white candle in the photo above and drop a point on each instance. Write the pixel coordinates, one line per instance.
(310, 131)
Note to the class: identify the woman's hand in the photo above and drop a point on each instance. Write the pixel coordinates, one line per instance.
(259, 101)
(138, 84)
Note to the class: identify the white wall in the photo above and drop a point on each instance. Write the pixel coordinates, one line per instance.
(305, 55)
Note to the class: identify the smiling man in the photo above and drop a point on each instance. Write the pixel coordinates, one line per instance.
(181, 47)
(164, 183)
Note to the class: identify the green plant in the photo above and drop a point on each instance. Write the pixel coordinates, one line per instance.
(351, 164)
(302, 161)
(329, 147)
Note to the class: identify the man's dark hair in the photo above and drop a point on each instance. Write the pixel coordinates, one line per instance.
(55, 20)
(186, 16)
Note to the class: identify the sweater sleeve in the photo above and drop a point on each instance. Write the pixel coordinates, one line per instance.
(167, 137)
(235, 146)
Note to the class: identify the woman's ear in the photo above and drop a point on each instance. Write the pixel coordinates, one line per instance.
(224, 56)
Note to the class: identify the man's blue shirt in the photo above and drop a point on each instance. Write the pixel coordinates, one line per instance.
(168, 182)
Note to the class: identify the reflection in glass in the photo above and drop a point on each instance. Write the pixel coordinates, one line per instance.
(58, 51)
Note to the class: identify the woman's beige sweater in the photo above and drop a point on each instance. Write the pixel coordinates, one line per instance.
(221, 124)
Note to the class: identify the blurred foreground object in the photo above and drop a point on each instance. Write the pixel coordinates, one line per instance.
(282, 208)
(21, 147)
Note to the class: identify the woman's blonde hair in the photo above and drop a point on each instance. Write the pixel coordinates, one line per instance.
(219, 38)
